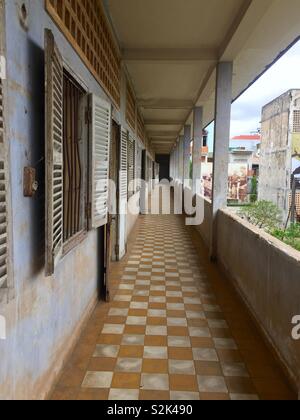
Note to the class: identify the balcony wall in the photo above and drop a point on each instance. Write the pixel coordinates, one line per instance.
(266, 272)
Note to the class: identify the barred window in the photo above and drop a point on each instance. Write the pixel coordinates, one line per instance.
(296, 122)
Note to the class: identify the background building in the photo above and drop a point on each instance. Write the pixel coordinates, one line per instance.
(244, 155)
(280, 150)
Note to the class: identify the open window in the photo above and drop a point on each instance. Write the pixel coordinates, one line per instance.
(76, 181)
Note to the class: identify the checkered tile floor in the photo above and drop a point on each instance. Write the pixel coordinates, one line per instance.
(164, 335)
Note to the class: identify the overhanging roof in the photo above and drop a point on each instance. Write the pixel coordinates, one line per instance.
(171, 48)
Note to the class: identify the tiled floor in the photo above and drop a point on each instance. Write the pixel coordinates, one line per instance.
(174, 330)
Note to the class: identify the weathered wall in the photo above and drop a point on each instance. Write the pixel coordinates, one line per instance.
(132, 217)
(205, 228)
(43, 317)
(276, 155)
(259, 264)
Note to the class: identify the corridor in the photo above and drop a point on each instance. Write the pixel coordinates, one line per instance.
(174, 329)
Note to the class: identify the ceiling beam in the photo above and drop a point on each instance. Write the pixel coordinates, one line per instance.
(163, 122)
(161, 134)
(163, 142)
(173, 54)
(165, 104)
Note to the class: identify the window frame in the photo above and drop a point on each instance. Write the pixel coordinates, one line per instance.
(7, 288)
(73, 242)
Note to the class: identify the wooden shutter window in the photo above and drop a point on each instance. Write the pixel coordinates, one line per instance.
(131, 159)
(138, 166)
(123, 167)
(3, 201)
(101, 136)
(54, 152)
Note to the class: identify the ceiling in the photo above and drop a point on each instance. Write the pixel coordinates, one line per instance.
(171, 49)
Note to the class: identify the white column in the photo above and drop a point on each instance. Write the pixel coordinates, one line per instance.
(180, 159)
(186, 155)
(197, 148)
(221, 146)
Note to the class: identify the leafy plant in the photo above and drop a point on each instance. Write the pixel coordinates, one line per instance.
(291, 236)
(254, 189)
(263, 214)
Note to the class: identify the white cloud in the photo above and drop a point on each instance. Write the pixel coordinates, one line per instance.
(281, 77)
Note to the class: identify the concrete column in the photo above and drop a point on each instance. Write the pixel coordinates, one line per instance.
(221, 145)
(187, 155)
(180, 159)
(197, 147)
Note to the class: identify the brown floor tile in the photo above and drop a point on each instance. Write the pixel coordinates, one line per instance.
(99, 364)
(176, 246)
(93, 395)
(115, 320)
(114, 339)
(198, 342)
(155, 366)
(176, 353)
(131, 351)
(72, 377)
(156, 341)
(137, 312)
(154, 395)
(156, 321)
(135, 329)
(183, 383)
(64, 394)
(126, 380)
(178, 332)
(176, 314)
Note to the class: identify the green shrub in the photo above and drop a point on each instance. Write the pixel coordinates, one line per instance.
(254, 190)
(263, 214)
(290, 236)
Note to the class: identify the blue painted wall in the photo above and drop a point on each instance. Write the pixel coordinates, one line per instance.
(45, 312)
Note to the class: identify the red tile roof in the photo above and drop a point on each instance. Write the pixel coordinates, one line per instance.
(254, 137)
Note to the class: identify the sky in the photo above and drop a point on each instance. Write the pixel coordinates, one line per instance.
(246, 111)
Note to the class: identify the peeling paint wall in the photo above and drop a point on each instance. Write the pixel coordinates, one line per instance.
(259, 263)
(46, 312)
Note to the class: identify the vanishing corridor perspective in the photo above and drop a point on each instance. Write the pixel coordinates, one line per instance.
(174, 329)
(103, 104)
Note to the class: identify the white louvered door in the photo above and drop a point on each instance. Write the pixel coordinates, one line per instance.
(123, 196)
(54, 152)
(101, 139)
(3, 202)
(131, 160)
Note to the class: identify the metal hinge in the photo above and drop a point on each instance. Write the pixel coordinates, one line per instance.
(88, 211)
(88, 115)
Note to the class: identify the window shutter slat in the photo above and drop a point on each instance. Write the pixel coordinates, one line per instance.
(101, 137)
(123, 168)
(54, 152)
(131, 160)
(3, 217)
